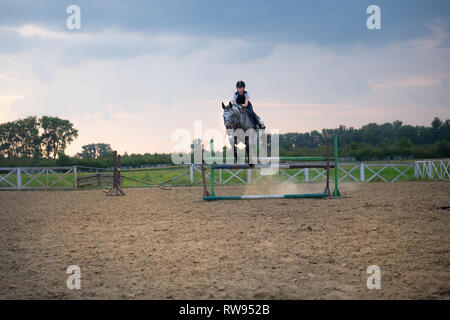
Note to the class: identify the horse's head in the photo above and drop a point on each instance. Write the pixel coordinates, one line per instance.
(228, 115)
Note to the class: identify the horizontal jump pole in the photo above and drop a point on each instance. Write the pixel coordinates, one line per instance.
(267, 196)
(270, 158)
(291, 158)
(260, 166)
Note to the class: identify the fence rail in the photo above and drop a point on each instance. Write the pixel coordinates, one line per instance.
(77, 177)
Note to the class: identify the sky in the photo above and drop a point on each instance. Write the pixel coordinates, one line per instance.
(137, 72)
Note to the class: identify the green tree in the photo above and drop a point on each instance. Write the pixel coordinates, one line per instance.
(354, 145)
(7, 148)
(436, 126)
(95, 150)
(20, 138)
(63, 160)
(385, 143)
(58, 133)
(443, 149)
(28, 141)
(404, 143)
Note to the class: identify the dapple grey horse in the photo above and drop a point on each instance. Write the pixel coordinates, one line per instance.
(235, 117)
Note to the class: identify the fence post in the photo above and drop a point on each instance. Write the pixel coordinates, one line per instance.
(430, 169)
(75, 177)
(19, 178)
(416, 169)
(362, 172)
(191, 173)
(249, 176)
(306, 175)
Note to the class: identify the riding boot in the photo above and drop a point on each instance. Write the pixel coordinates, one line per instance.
(256, 119)
(260, 123)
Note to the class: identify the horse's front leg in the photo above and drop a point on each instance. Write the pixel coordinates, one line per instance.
(235, 150)
(247, 148)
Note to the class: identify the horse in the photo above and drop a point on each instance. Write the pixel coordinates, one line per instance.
(235, 117)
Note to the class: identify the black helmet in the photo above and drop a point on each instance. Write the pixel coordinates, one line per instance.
(240, 84)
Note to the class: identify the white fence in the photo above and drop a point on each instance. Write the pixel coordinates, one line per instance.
(358, 172)
(66, 177)
(44, 178)
(433, 169)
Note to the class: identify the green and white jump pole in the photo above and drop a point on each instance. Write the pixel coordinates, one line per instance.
(336, 192)
(267, 196)
(326, 166)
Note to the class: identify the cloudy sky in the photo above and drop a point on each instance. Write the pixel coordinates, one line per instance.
(137, 71)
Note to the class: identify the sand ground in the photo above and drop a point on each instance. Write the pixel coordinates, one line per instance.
(166, 244)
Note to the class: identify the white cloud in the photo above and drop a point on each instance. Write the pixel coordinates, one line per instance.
(30, 30)
(5, 77)
(6, 103)
(438, 36)
(418, 82)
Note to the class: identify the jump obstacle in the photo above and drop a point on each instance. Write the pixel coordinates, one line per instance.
(212, 197)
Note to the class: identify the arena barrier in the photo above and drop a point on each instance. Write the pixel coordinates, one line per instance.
(212, 196)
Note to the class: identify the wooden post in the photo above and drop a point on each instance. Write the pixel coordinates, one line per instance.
(115, 190)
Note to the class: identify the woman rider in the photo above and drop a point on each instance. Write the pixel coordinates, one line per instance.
(242, 97)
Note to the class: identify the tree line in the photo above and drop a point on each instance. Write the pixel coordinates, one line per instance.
(35, 137)
(376, 141)
(42, 141)
(372, 134)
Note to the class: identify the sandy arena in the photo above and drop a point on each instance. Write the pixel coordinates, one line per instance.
(166, 244)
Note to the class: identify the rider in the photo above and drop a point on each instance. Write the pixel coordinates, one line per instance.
(242, 97)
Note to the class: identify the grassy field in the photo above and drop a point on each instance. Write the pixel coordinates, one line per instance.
(181, 176)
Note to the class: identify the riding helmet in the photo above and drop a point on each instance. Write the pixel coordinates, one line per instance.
(240, 84)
